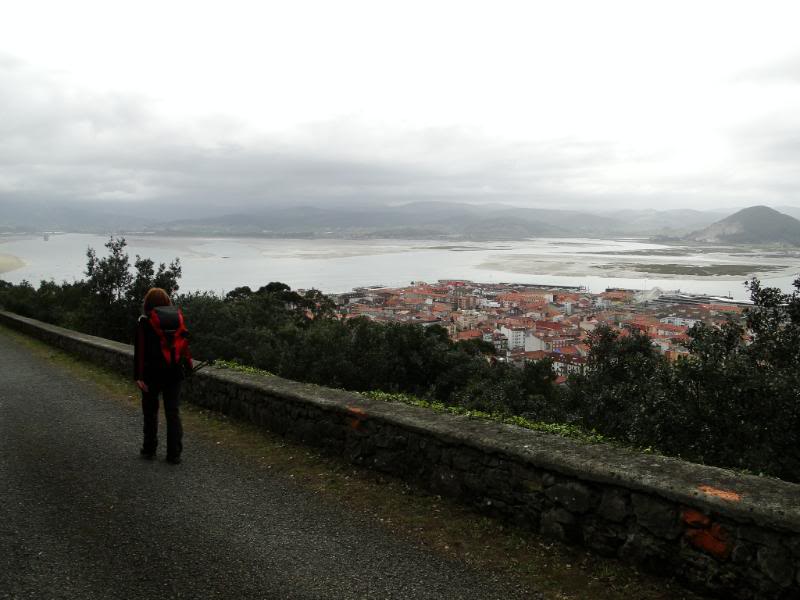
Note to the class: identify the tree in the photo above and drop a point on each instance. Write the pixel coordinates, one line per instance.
(146, 278)
(622, 385)
(116, 293)
(318, 304)
(109, 277)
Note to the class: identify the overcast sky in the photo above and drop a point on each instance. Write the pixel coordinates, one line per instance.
(558, 104)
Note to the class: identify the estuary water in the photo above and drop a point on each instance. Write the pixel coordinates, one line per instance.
(221, 264)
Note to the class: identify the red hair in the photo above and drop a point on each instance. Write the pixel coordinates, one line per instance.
(155, 297)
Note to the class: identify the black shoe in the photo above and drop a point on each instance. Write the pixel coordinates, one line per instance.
(147, 454)
(174, 460)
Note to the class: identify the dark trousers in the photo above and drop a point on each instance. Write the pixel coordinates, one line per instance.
(171, 395)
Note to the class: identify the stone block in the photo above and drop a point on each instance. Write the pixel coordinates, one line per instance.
(530, 485)
(658, 516)
(433, 453)
(497, 506)
(465, 460)
(527, 519)
(562, 516)
(413, 442)
(768, 589)
(574, 496)
(446, 482)
(497, 480)
(389, 461)
(763, 537)
(793, 544)
(776, 564)
(551, 528)
(532, 501)
(560, 524)
(726, 580)
(743, 552)
(653, 554)
(380, 437)
(398, 441)
(474, 483)
(696, 567)
(604, 538)
(613, 505)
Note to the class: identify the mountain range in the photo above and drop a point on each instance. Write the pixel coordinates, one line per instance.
(444, 221)
(418, 220)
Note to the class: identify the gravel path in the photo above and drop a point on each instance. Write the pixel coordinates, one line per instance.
(82, 516)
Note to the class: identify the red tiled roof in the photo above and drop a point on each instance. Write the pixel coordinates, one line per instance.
(469, 334)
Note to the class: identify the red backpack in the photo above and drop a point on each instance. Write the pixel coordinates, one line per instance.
(167, 322)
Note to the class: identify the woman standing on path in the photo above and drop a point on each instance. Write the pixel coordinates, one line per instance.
(161, 352)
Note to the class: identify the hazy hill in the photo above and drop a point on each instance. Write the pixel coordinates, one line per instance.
(754, 225)
(672, 222)
(412, 221)
(432, 220)
(444, 220)
(33, 216)
(792, 211)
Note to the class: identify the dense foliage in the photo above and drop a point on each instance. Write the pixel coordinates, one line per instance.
(293, 335)
(733, 401)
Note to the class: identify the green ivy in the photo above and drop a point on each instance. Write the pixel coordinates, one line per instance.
(564, 430)
(235, 366)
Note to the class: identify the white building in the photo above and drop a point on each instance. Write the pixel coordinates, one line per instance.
(673, 320)
(515, 336)
(534, 343)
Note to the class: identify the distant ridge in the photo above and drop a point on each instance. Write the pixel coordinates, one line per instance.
(753, 225)
(441, 220)
(431, 220)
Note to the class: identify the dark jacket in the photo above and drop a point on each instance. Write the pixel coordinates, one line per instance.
(148, 363)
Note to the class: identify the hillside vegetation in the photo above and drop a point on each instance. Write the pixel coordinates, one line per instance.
(734, 401)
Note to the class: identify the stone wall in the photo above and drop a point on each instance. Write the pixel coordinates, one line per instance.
(734, 535)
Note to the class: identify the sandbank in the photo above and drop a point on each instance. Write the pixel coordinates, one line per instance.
(532, 264)
(9, 262)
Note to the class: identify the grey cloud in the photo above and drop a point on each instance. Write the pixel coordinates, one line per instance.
(61, 144)
(783, 71)
(770, 152)
(70, 144)
(781, 146)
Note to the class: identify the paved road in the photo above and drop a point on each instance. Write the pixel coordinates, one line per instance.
(81, 516)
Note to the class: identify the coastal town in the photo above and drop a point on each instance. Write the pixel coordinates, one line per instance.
(533, 322)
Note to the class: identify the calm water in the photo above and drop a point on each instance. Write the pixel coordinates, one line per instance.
(340, 265)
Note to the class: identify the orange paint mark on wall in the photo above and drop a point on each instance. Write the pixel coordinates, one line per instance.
(728, 495)
(714, 541)
(695, 518)
(359, 416)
